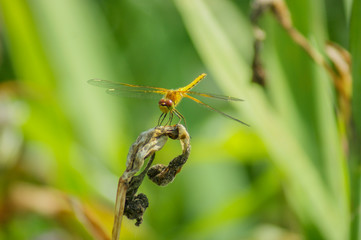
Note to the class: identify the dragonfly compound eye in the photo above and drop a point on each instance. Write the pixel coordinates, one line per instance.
(165, 105)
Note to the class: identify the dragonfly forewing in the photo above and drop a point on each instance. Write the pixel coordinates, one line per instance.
(117, 85)
(128, 90)
(147, 94)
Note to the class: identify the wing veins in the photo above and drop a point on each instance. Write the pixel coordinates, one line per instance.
(216, 96)
(118, 85)
(216, 110)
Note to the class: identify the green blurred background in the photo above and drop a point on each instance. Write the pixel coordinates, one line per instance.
(293, 174)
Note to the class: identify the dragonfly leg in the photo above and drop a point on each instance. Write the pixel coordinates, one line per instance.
(180, 116)
(170, 119)
(158, 124)
(161, 118)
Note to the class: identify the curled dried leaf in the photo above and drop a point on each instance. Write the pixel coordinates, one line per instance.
(127, 202)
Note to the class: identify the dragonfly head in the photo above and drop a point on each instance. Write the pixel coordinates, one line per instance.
(166, 105)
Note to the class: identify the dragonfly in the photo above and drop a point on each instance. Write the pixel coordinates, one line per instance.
(171, 97)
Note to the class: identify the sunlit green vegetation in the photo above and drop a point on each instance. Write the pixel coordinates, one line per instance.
(294, 174)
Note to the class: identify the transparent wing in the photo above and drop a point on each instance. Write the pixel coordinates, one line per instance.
(216, 110)
(128, 90)
(215, 96)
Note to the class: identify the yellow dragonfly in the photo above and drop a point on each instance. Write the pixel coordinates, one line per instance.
(171, 98)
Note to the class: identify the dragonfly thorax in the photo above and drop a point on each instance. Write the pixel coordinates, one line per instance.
(166, 105)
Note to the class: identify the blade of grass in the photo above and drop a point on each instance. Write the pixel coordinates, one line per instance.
(34, 70)
(336, 22)
(354, 165)
(50, 46)
(79, 47)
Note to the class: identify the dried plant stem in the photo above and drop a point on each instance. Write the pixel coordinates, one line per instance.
(119, 207)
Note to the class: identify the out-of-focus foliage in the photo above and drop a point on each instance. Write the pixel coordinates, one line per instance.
(294, 174)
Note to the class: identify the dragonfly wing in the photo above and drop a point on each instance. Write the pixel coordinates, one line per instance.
(128, 90)
(216, 110)
(134, 93)
(215, 96)
(118, 85)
